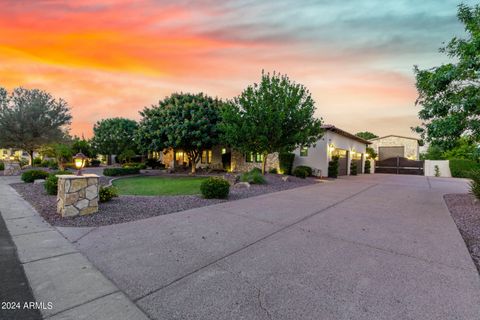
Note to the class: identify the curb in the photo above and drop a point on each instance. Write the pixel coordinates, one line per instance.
(56, 271)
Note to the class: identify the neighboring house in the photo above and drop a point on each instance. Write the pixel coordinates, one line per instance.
(5, 154)
(335, 142)
(396, 146)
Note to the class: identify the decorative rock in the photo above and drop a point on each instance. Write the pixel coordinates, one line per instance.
(231, 178)
(12, 168)
(39, 181)
(286, 178)
(77, 195)
(242, 185)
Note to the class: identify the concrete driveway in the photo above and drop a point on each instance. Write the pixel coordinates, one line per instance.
(365, 247)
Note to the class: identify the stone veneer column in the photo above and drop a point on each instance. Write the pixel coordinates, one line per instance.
(77, 195)
(12, 168)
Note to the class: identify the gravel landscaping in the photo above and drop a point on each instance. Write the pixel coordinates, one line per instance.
(465, 211)
(130, 208)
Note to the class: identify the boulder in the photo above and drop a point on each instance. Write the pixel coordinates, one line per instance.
(242, 185)
(231, 178)
(286, 178)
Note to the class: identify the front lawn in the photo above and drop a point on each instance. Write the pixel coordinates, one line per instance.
(158, 186)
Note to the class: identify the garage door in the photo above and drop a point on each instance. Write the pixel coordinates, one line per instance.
(390, 152)
(342, 161)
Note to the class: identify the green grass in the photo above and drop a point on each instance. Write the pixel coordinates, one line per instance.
(158, 186)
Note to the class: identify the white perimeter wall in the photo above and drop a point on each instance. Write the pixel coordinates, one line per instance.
(318, 155)
(443, 166)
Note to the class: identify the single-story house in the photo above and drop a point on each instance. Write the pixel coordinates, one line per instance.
(392, 146)
(6, 153)
(335, 142)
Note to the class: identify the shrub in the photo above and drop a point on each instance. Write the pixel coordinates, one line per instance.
(214, 187)
(154, 163)
(307, 169)
(112, 172)
(94, 163)
(300, 172)
(333, 167)
(37, 162)
(273, 171)
(2, 166)
(367, 166)
(140, 166)
(51, 183)
(437, 171)
(253, 177)
(32, 175)
(256, 170)
(461, 168)
(286, 162)
(353, 169)
(107, 193)
(23, 162)
(475, 183)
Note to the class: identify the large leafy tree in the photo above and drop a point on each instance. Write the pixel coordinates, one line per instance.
(32, 118)
(181, 121)
(275, 115)
(114, 136)
(367, 135)
(450, 94)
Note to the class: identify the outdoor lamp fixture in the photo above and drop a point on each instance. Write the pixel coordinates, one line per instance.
(80, 160)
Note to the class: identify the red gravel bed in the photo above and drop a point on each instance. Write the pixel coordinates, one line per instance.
(130, 208)
(465, 210)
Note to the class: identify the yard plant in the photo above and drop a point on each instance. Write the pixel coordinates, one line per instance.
(215, 188)
(106, 194)
(333, 167)
(254, 176)
(462, 168)
(51, 182)
(32, 175)
(113, 172)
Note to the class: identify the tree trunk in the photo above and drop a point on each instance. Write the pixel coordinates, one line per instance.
(31, 157)
(109, 159)
(264, 163)
(193, 158)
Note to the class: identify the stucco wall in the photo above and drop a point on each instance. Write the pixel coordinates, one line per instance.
(318, 156)
(411, 145)
(443, 168)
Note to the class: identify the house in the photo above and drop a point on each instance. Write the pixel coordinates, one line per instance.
(392, 146)
(335, 142)
(6, 154)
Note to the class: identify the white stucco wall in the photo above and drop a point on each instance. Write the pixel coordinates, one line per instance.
(443, 166)
(318, 157)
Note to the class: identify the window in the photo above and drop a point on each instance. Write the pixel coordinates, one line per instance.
(304, 152)
(254, 157)
(206, 156)
(179, 156)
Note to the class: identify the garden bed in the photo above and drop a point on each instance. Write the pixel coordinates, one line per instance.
(130, 208)
(465, 211)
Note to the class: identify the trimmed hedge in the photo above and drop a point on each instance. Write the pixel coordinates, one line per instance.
(32, 175)
(353, 169)
(367, 166)
(462, 168)
(215, 188)
(307, 169)
(141, 166)
(107, 193)
(300, 172)
(51, 183)
(2, 166)
(112, 172)
(286, 162)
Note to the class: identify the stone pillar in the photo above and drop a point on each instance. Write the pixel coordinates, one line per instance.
(12, 168)
(77, 195)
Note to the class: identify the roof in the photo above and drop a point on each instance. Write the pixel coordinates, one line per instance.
(394, 135)
(344, 133)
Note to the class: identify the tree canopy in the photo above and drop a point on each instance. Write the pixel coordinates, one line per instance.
(276, 115)
(30, 118)
(367, 135)
(449, 94)
(181, 121)
(114, 136)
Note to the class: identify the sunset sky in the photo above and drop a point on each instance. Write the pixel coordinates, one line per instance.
(111, 58)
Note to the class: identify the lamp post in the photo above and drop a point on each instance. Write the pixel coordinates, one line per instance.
(79, 160)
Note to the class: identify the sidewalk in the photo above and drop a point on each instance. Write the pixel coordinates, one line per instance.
(58, 274)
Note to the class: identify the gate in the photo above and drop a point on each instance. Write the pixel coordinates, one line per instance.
(399, 165)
